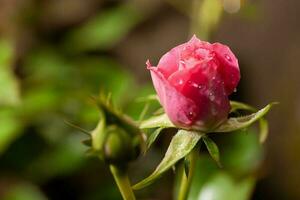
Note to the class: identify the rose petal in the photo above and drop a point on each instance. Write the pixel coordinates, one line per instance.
(193, 81)
(204, 86)
(168, 64)
(181, 110)
(229, 67)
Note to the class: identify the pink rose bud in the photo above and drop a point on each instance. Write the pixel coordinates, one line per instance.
(193, 82)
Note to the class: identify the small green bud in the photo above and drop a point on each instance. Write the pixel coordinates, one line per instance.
(117, 139)
(119, 146)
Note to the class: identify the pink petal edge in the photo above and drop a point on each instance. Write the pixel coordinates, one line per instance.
(166, 94)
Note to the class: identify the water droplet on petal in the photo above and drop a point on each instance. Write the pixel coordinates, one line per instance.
(191, 115)
(234, 90)
(228, 57)
(195, 85)
(181, 65)
(211, 96)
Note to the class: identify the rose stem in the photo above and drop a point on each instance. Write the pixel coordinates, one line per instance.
(187, 180)
(123, 182)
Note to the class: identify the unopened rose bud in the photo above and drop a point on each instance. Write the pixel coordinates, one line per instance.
(193, 82)
(119, 146)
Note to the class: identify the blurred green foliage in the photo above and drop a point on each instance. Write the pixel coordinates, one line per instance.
(54, 82)
(24, 191)
(241, 156)
(9, 96)
(9, 91)
(104, 30)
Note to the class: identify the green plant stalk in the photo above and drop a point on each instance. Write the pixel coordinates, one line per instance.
(123, 182)
(187, 180)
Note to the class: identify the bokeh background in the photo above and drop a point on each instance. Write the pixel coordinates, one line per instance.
(55, 55)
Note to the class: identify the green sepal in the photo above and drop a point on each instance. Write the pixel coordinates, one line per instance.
(237, 123)
(151, 97)
(117, 138)
(87, 142)
(153, 136)
(186, 164)
(157, 121)
(264, 130)
(99, 134)
(181, 145)
(114, 116)
(213, 149)
(263, 123)
(235, 105)
(92, 153)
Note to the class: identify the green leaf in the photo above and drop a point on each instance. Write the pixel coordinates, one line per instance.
(212, 149)
(236, 123)
(182, 143)
(151, 139)
(157, 121)
(264, 129)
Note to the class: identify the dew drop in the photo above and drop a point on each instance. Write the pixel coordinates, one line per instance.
(191, 115)
(234, 90)
(213, 78)
(181, 65)
(211, 96)
(228, 57)
(195, 85)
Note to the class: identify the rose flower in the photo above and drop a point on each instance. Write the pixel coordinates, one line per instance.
(193, 82)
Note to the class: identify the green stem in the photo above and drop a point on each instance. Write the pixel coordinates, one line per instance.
(187, 180)
(123, 182)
